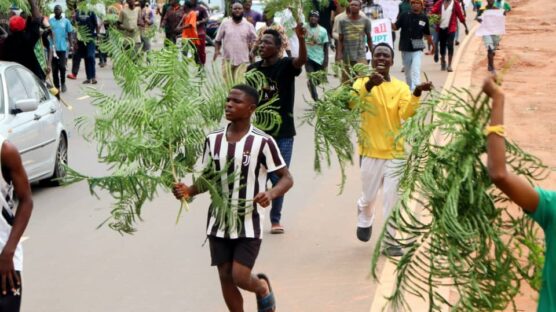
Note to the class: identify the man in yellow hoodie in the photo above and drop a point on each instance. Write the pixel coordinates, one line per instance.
(391, 103)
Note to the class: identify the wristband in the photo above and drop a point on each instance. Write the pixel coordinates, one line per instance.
(496, 129)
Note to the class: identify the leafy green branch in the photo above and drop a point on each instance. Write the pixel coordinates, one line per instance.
(454, 224)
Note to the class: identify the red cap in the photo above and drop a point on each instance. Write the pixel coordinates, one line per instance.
(17, 23)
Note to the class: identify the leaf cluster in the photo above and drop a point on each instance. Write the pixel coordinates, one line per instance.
(153, 133)
(461, 234)
(336, 120)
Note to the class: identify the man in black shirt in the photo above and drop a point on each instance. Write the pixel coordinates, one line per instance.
(20, 44)
(280, 74)
(86, 47)
(414, 25)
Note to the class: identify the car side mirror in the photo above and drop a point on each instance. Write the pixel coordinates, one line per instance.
(26, 105)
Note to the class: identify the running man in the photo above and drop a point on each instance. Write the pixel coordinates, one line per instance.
(252, 154)
(381, 154)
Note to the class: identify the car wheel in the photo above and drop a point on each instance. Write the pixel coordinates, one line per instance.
(61, 162)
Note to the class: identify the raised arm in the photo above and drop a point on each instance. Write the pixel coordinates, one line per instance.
(299, 61)
(35, 12)
(516, 188)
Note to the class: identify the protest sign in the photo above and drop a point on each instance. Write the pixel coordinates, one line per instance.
(381, 31)
(493, 23)
(390, 9)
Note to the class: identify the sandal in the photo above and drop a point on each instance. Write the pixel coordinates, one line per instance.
(277, 229)
(267, 303)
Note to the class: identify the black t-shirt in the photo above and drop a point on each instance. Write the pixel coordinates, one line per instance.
(19, 47)
(87, 19)
(414, 26)
(281, 79)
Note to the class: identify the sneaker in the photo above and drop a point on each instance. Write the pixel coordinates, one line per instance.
(392, 251)
(72, 76)
(93, 81)
(364, 233)
(87, 81)
(64, 88)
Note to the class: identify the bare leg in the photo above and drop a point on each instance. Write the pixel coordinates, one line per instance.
(232, 296)
(244, 279)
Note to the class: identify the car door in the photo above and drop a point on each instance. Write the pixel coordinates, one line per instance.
(47, 117)
(22, 128)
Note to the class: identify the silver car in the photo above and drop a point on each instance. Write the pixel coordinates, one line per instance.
(31, 118)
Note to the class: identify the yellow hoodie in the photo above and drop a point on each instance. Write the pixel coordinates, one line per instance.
(390, 104)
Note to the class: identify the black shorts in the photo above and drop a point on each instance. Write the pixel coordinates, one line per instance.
(241, 250)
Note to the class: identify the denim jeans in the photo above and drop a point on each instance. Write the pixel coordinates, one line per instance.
(412, 65)
(286, 148)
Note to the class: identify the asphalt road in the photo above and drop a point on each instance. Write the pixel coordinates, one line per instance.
(317, 265)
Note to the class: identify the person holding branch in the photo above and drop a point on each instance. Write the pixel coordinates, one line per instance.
(249, 155)
(538, 203)
(390, 102)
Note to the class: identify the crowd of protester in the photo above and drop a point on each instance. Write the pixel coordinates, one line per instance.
(279, 45)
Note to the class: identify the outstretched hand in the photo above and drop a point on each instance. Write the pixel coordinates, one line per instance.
(375, 80)
(425, 86)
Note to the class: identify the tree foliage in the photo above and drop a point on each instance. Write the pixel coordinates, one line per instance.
(153, 133)
(336, 120)
(462, 233)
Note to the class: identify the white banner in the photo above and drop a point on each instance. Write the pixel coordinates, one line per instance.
(390, 8)
(381, 31)
(493, 23)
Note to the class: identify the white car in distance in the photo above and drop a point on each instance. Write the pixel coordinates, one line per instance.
(31, 118)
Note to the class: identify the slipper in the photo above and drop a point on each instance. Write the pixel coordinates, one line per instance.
(267, 303)
(278, 229)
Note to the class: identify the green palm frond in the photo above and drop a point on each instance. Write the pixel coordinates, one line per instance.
(153, 133)
(460, 233)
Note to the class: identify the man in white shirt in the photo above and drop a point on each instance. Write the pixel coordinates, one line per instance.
(12, 226)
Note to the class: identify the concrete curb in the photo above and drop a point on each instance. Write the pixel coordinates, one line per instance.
(460, 77)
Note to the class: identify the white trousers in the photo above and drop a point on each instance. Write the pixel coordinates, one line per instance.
(377, 173)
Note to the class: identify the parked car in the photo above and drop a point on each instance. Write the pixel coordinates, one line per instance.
(31, 118)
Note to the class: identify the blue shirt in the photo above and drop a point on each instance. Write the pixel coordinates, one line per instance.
(60, 29)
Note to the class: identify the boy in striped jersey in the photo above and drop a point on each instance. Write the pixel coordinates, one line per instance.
(243, 155)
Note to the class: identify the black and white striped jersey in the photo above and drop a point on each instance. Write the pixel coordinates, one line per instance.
(243, 167)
